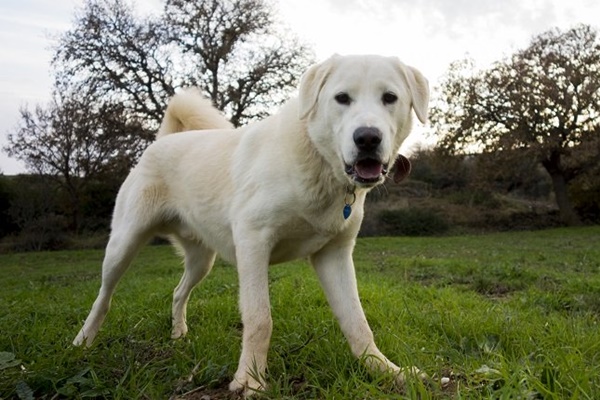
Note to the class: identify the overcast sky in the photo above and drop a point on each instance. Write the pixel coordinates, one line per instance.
(428, 34)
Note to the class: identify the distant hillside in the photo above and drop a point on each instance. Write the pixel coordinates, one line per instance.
(413, 208)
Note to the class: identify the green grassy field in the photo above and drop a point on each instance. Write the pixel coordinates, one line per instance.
(504, 316)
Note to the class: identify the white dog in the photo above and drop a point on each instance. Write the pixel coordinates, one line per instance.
(288, 187)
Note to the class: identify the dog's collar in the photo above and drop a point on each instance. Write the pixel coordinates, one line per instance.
(349, 199)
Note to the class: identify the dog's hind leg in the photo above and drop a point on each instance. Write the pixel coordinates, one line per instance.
(199, 260)
(124, 243)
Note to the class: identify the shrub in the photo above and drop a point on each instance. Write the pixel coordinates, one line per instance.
(413, 222)
(475, 198)
(46, 232)
(7, 223)
(520, 221)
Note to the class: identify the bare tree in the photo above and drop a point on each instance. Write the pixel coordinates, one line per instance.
(231, 49)
(117, 55)
(234, 51)
(74, 140)
(542, 103)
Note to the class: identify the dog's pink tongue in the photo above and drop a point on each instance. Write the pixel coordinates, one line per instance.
(368, 169)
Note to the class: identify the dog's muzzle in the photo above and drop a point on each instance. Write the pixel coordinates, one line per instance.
(367, 171)
(368, 167)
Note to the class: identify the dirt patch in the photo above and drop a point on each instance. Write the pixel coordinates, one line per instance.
(208, 394)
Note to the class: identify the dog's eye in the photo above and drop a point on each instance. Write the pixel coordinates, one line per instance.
(389, 98)
(343, 98)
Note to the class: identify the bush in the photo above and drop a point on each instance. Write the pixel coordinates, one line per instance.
(585, 193)
(7, 223)
(520, 221)
(43, 233)
(413, 222)
(475, 198)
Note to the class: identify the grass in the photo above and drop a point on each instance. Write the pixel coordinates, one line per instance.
(511, 315)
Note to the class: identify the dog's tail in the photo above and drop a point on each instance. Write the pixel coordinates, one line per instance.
(189, 110)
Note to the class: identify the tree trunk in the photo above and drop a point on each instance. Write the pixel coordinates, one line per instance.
(561, 192)
(554, 167)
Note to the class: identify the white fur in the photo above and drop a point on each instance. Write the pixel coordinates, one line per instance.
(266, 193)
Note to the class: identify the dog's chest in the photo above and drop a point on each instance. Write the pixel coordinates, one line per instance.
(299, 238)
(287, 249)
(294, 245)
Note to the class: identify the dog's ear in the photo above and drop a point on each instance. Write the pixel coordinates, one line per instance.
(419, 90)
(400, 169)
(310, 85)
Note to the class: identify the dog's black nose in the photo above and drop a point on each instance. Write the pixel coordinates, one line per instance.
(367, 139)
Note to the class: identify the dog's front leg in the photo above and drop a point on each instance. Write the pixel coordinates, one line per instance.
(335, 269)
(252, 264)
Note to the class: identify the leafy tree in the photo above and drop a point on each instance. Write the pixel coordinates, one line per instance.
(585, 188)
(542, 103)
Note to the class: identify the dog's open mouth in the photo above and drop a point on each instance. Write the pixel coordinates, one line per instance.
(367, 170)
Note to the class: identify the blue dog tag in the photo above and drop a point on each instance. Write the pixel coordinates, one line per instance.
(347, 211)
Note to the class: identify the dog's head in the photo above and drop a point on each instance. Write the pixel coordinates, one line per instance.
(358, 113)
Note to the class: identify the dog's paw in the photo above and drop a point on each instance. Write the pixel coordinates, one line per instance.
(179, 331)
(78, 341)
(410, 373)
(246, 385)
(82, 339)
